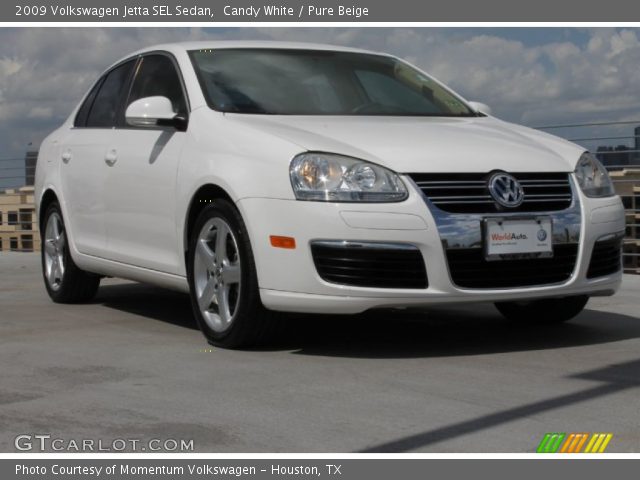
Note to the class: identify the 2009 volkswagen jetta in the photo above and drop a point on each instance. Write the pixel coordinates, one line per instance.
(266, 178)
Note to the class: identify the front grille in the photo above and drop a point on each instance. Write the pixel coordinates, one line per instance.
(605, 258)
(469, 193)
(370, 265)
(469, 269)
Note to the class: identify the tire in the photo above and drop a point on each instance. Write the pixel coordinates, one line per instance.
(64, 281)
(546, 311)
(223, 283)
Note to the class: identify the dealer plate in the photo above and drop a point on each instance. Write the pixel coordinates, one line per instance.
(517, 238)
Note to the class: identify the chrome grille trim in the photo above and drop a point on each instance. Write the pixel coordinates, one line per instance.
(469, 193)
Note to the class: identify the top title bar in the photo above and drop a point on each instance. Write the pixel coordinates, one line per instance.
(306, 11)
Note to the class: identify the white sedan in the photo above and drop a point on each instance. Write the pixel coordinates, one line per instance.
(266, 177)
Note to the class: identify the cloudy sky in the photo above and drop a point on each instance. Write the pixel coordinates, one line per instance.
(533, 76)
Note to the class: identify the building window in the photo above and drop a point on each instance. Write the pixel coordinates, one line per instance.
(0, 223)
(26, 219)
(13, 244)
(12, 218)
(27, 243)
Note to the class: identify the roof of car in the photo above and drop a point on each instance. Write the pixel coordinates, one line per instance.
(201, 45)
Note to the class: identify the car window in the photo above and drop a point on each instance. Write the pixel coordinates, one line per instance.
(157, 76)
(83, 111)
(382, 90)
(105, 106)
(312, 82)
(322, 94)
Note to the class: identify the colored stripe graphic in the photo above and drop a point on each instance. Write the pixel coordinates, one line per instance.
(570, 443)
(580, 443)
(573, 442)
(551, 442)
(598, 443)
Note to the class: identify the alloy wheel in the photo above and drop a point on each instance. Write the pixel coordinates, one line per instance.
(217, 274)
(54, 245)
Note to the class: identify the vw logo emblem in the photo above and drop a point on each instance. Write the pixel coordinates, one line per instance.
(542, 234)
(506, 190)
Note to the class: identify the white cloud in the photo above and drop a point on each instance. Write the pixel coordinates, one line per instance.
(44, 71)
(9, 66)
(40, 112)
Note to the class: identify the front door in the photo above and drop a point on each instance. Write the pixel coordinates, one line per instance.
(141, 183)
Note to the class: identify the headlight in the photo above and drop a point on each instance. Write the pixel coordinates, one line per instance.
(333, 178)
(593, 178)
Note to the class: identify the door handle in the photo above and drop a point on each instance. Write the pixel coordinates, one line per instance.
(66, 156)
(111, 157)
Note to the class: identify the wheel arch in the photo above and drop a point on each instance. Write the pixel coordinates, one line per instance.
(48, 197)
(201, 198)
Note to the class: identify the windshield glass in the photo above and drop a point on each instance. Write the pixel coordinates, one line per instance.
(313, 82)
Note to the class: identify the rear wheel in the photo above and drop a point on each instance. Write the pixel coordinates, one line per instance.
(223, 282)
(544, 311)
(65, 282)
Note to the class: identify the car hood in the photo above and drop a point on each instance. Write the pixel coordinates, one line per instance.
(423, 144)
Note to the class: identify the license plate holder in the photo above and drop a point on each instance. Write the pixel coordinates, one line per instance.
(509, 238)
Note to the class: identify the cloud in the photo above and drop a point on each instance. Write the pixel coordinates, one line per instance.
(9, 66)
(45, 71)
(40, 112)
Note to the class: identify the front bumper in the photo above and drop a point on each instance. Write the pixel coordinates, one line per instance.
(289, 280)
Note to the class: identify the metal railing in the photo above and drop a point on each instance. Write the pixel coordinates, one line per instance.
(13, 172)
(632, 239)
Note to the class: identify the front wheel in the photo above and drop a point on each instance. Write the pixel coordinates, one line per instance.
(223, 282)
(544, 311)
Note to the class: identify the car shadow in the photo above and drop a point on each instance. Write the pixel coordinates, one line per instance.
(439, 331)
(456, 331)
(148, 301)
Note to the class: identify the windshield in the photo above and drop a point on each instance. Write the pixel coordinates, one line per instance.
(313, 82)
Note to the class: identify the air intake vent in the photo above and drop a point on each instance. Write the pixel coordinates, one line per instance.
(469, 269)
(370, 264)
(605, 258)
(469, 193)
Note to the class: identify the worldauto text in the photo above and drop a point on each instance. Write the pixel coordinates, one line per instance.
(497, 237)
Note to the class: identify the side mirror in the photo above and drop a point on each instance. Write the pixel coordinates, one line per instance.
(481, 107)
(154, 111)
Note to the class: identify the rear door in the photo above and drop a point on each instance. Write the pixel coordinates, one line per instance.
(83, 169)
(141, 183)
